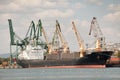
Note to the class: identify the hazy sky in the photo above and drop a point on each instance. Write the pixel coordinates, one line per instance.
(22, 12)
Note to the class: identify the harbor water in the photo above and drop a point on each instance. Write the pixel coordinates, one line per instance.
(60, 74)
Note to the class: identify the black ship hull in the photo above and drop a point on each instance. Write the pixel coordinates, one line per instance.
(95, 58)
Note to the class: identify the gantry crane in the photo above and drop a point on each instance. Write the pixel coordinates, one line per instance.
(32, 37)
(99, 38)
(80, 41)
(14, 41)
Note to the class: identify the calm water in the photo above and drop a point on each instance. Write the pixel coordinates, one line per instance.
(60, 74)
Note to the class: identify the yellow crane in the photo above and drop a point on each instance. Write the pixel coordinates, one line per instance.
(80, 41)
(62, 39)
(100, 40)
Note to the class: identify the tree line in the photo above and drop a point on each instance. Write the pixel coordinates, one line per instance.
(4, 60)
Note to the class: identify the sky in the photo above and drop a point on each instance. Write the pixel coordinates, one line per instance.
(22, 12)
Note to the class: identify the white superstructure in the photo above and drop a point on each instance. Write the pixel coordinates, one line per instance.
(36, 52)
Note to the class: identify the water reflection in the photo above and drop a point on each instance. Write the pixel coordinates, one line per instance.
(60, 74)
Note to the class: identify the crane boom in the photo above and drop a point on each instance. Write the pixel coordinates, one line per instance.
(12, 34)
(59, 32)
(80, 41)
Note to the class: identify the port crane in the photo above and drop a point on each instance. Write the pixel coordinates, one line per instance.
(80, 41)
(34, 34)
(15, 41)
(32, 37)
(99, 38)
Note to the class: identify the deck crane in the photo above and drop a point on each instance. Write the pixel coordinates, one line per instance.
(80, 41)
(100, 40)
(48, 44)
(62, 39)
(55, 44)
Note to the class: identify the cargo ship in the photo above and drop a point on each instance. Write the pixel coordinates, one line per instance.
(95, 58)
(35, 57)
(33, 52)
